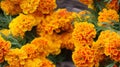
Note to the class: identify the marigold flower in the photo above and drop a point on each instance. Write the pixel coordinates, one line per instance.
(112, 47)
(107, 16)
(55, 23)
(4, 48)
(21, 24)
(29, 6)
(47, 6)
(85, 57)
(113, 5)
(83, 34)
(16, 57)
(10, 7)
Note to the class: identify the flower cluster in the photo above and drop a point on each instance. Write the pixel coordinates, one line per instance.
(36, 31)
(14, 7)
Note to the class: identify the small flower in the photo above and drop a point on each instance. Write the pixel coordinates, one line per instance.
(29, 6)
(10, 7)
(107, 16)
(16, 57)
(21, 24)
(83, 34)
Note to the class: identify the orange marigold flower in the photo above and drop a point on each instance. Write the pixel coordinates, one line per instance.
(10, 7)
(47, 45)
(112, 48)
(29, 6)
(21, 24)
(16, 57)
(113, 5)
(32, 51)
(42, 45)
(107, 16)
(4, 48)
(86, 2)
(84, 57)
(55, 23)
(83, 34)
(46, 6)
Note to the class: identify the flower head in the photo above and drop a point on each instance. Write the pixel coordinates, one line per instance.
(109, 16)
(83, 34)
(21, 24)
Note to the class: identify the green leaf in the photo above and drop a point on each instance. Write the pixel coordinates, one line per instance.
(110, 65)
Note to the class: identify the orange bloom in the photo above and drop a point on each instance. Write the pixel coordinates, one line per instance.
(84, 57)
(47, 6)
(83, 34)
(4, 48)
(107, 16)
(10, 7)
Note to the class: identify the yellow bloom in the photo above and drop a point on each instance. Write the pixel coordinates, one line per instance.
(10, 7)
(21, 24)
(47, 6)
(55, 23)
(29, 6)
(4, 48)
(83, 34)
(85, 57)
(113, 5)
(36, 62)
(112, 49)
(16, 57)
(31, 50)
(6, 32)
(47, 45)
(107, 16)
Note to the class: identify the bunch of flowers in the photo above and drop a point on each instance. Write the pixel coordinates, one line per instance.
(34, 31)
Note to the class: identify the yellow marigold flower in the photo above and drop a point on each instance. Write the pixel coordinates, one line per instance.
(86, 2)
(66, 39)
(4, 48)
(31, 50)
(29, 6)
(83, 34)
(42, 45)
(47, 6)
(113, 5)
(107, 16)
(112, 46)
(55, 23)
(112, 49)
(51, 45)
(10, 7)
(36, 62)
(21, 24)
(84, 57)
(6, 32)
(16, 57)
